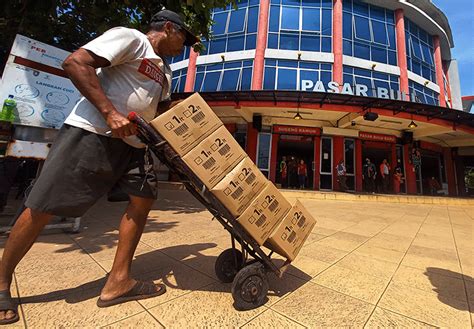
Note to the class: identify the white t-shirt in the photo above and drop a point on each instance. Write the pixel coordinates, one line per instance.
(137, 80)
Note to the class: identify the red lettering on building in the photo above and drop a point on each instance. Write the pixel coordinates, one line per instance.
(151, 70)
(377, 137)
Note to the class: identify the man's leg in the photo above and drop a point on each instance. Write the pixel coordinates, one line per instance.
(131, 228)
(22, 236)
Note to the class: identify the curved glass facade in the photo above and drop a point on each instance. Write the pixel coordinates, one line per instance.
(300, 25)
(420, 52)
(369, 32)
(234, 29)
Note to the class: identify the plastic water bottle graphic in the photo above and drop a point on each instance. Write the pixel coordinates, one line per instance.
(8, 110)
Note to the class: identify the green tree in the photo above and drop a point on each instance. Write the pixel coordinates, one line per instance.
(70, 24)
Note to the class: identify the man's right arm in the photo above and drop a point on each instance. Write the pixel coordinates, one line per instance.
(81, 67)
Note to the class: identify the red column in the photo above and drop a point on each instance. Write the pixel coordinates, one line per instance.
(273, 157)
(410, 176)
(450, 168)
(259, 62)
(402, 52)
(445, 70)
(338, 155)
(252, 135)
(191, 75)
(317, 159)
(337, 41)
(439, 71)
(358, 166)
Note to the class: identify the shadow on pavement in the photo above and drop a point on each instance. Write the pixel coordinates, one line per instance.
(156, 266)
(441, 280)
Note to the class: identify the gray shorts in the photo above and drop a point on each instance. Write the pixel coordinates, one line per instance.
(82, 166)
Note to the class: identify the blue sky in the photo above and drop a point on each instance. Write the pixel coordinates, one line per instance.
(460, 14)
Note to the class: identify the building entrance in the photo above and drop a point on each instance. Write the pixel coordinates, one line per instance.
(377, 153)
(294, 149)
(431, 178)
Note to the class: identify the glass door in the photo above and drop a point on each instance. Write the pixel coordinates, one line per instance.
(326, 164)
(349, 161)
(264, 145)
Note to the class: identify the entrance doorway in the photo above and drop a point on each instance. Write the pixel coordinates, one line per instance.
(295, 148)
(377, 152)
(431, 179)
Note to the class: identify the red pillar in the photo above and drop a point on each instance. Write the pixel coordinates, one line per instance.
(338, 155)
(446, 74)
(191, 75)
(439, 71)
(450, 168)
(317, 161)
(337, 41)
(410, 176)
(259, 62)
(358, 166)
(402, 52)
(252, 135)
(273, 157)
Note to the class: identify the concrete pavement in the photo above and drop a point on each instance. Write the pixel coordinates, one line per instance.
(371, 264)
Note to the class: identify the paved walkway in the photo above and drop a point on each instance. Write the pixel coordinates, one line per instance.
(365, 264)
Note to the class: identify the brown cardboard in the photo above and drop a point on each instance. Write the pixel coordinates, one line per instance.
(264, 213)
(240, 186)
(214, 157)
(291, 234)
(187, 124)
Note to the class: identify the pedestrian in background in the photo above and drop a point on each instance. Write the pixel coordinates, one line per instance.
(369, 174)
(341, 176)
(302, 173)
(385, 175)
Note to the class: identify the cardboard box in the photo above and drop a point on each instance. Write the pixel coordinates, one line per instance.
(214, 157)
(240, 186)
(290, 236)
(185, 125)
(264, 213)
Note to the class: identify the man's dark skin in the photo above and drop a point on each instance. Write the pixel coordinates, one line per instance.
(81, 68)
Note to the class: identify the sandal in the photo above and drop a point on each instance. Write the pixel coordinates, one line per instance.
(141, 290)
(7, 304)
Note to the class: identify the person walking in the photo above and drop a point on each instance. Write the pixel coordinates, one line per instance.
(121, 71)
(284, 172)
(385, 175)
(292, 173)
(341, 176)
(302, 174)
(369, 174)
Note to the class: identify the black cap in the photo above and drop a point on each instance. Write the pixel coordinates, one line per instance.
(168, 15)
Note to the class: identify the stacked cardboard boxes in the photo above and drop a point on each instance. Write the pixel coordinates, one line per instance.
(198, 136)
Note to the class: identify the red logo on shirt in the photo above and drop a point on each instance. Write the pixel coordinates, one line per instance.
(151, 70)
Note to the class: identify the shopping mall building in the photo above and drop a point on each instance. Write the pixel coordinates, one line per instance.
(323, 80)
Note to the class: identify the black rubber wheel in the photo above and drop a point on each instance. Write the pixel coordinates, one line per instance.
(228, 264)
(250, 287)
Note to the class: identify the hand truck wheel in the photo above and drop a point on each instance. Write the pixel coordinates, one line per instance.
(250, 287)
(228, 263)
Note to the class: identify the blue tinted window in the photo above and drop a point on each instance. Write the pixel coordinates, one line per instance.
(235, 43)
(269, 79)
(237, 20)
(286, 79)
(289, 41)
(230, 80)
(296, 24)
(372, 80)
(252, 20)
(198, 81)
(246, 79)
(217, 46)
(220, 22)
(290, 18)
(420, 51)
(362, 29)
(251, 41)
(422, 94)
(311, 19)
(365, 26)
